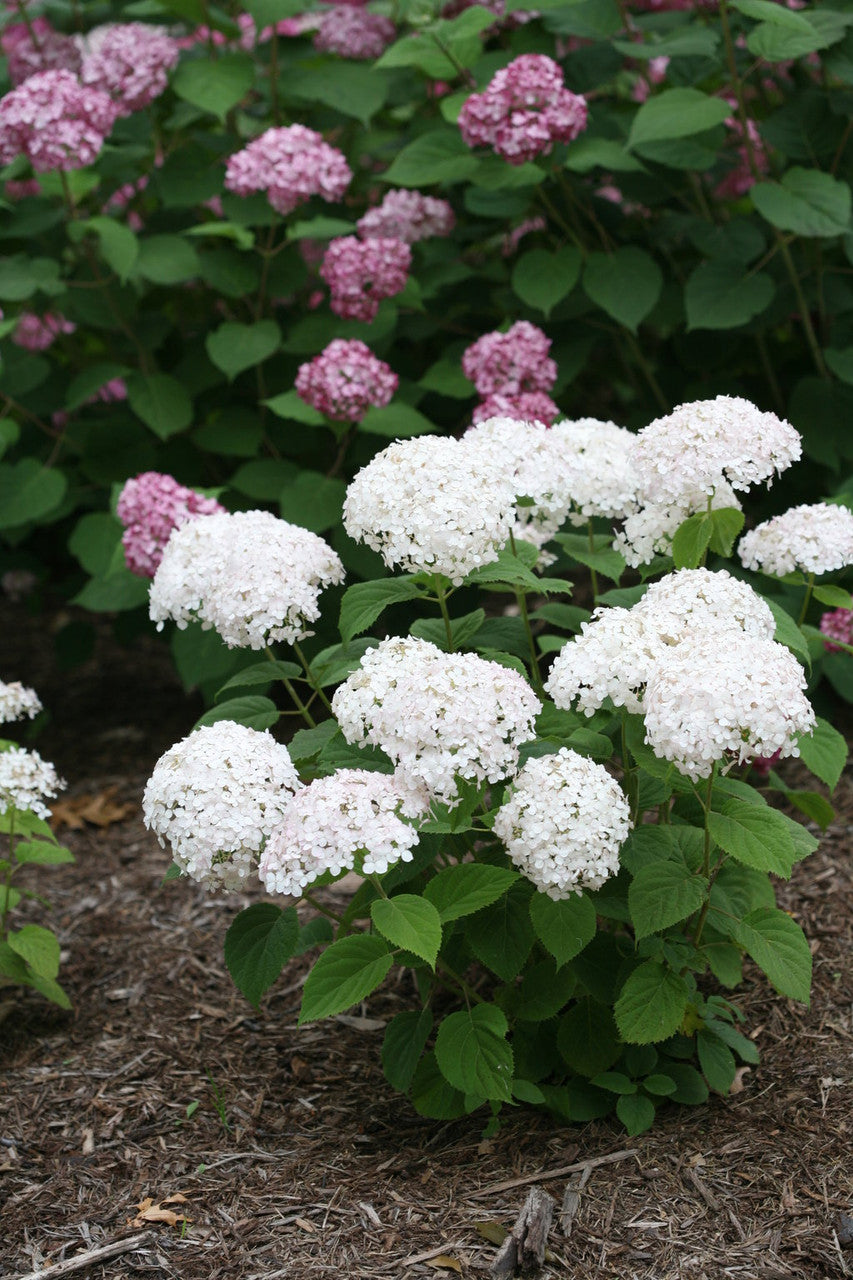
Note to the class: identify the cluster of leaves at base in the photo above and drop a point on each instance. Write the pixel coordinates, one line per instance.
(673, 293)
(29, 955)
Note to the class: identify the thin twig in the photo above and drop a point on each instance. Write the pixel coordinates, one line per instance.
(80, 1260)
(545, 1175)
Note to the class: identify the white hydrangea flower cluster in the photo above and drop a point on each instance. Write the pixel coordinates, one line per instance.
(26, 781)
(351, 816)
(425, 505)
(17, 701)
(701, 598)
(438, 716)
(649, 531)
(532, 455)
(564, 823)
(250, 576)
(816, 538)
(603, 480)
(725, 693)
(216, 796)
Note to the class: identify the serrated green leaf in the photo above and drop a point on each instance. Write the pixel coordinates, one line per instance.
(824, 752)
(261, 673)
(691, 541)
(41, 854)
(755, 835)
(779, 947)
(28, 492)
(473, 1055)
(38, 947)
(564, 928)
(462, 890)
(215, 85)
(236, 347)
(118, 245)
(363, 602)
(636, 1113)
(724, 295)
(663, 893)
(405, 1040)
(806, 201)
(501, 935)
(409, 922)
(587, 1037)
(651, 1004)
(716, 1060)
(161, 401)
(252, 710)
(345, 973)
(258, 944)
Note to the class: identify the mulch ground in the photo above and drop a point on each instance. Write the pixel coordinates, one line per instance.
(224, 1142)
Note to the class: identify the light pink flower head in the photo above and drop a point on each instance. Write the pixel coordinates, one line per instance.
(290, 165)
(151, 506)
(360, 273)
(409, 216)
(524, 110)
(54, 121)
(345, 380)
(512, 362)
(129, 60)
(37, 333)
(527, 406)
(353, 32)
(838, 624)
(35, 46)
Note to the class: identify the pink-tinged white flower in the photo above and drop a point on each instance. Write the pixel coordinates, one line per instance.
(816, 538)
(345, 380)
(253, 578)
(725, 695)
(838, 624)
(525, 109)
(37, 333)
(439, 716)
(291, 165)
(54, 121)
(130, 61)
(564, 823)
(34, 46)
(513, 238)
(348, 821)
(603, 481)
(151, 506)
(216, 797)
(512, 362)
(529, 406)
(27, 781)
(360, 273)
(353, 32)
(409, 216)
(17, 701)
(432, 504)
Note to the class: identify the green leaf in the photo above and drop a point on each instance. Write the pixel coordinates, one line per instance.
(586, 154)
(716, 1060)
(89, 381)
(363, 602)
(345, 973)
(334, 664)
(605, 561)
(21, 277)
(774, 43)
(824, 753)
(691, 540)
(395, 421)
(426, 50)
(543, 991)
(614, 1082)
(214, 85)
(161, 401)
(660, 1085)
(405, 1040)
(119, 246)
(313, 500)
(587, 1037)
(788, 633)
(432, 1096)
(636, 1113)
(501, 935)
(806, 201)
(38, 947)
(252, 710)
(723, 294)
(462, 629)
(243, 238)
(167, 260)
(543, 279)
(41, 854)
(236, 347)
(771, 11)
(661, 894)
(626, 284)
(564, 928)
(437, 156)
(28, 492)
(291, 406)
(460, 891)
(409, 922)
(676, 113)
(307, 743)
(351, 88)
(258, 944)
(261, 673)
(779, 947)
(834, 597)
(727, 523)
(755, 835)
(652, 1004)
(473, 1055)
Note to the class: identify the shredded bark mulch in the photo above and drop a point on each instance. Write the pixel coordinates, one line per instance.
(164, 1128)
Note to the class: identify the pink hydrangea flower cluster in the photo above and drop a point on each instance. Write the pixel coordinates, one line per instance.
(360, 273)
(151, 506)
(525, 109)
(37, 333)
(529, 406)
(55, 121)
(838, 624)
(35, 46)
(353, 32)
(345, 380)
(249, 35)
(409, 216)
(291, 165)
(512, 362)
(130, 61)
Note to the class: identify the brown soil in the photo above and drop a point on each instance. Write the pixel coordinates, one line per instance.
(295, 1157)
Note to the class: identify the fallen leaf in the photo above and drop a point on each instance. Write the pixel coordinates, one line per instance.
(177, 1198)
(101, 810)
(444, 1260)
(148, 1211)
(305, 1225)
(491, 1231)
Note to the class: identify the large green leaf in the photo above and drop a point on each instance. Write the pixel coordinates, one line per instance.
(542, 279)
(167, 260)
(663, 893)
(473, 1054)
(779, 947)
(161, 401)
(587, 1037)
(252, 710)
(824, 752)
(563, 927)
(215, 85)
(501, 935)
(353, 88)
(722, 295)
(409, 922)
(396, 421)
(651, 1004)
(345, 973)
(235, 347)
(38, 947)
(363, 602)
(118, 245)
(460, 891)
(28, 492)
(806, 201)
(676, 113)
(626, 284)
(313, 500)
(437, 156)
(258, 944)
(405, 1040)
(755, 835)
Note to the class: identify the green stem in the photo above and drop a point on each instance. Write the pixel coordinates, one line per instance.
(377, 884)
(629, 774)
(301, 707)
(811, 336)
(441, 597)
(9, 873)
(648, 372)
(560, 220)
(311, 678)
(806, 600)
(451, 58)
(468, 991)
(593, 574)
(706, 855)
(318, 906)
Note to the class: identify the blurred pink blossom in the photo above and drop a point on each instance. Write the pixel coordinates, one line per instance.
(345, 380)
(151, 506)
(360, 273)
(37, 333)
(523, 111)
(54, 121)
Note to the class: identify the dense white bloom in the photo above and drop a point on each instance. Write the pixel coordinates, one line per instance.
(439, 716)
(815, 539)
(691, 599)
(26, 781)
(649, 531)
(216, 796)
(252, 577)
(329, 823)
(603, 480)
(611, 658)
(725, 693)
(17, 701)
(563, 823)
(530, 454)
(423, 504)
(699, 443)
